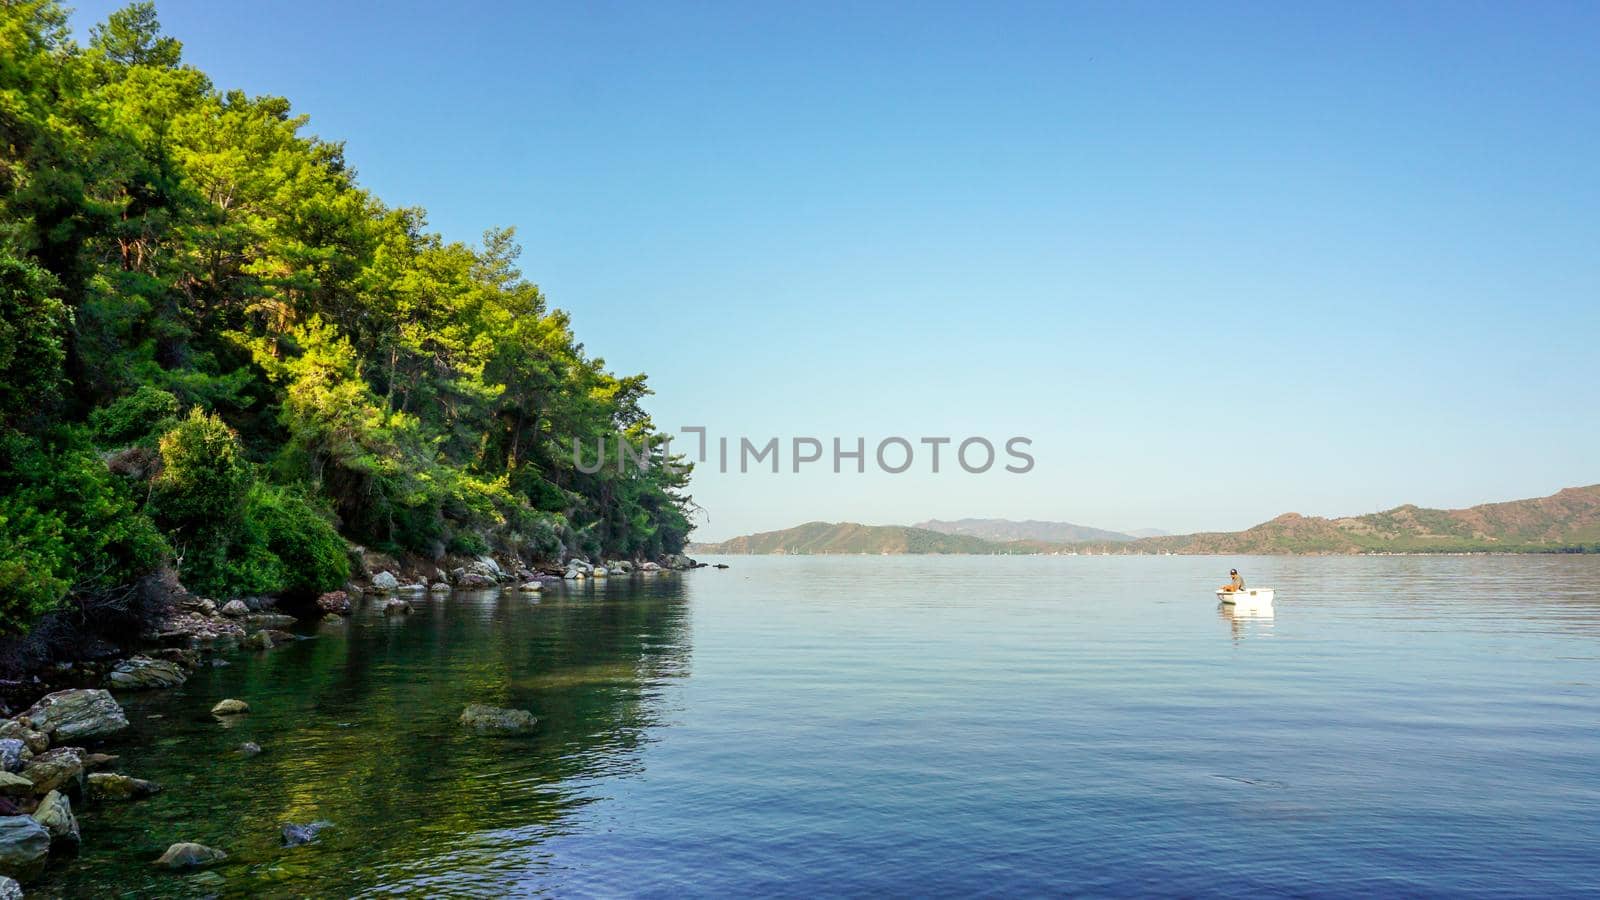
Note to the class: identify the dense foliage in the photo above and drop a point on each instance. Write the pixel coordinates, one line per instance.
(217, 348)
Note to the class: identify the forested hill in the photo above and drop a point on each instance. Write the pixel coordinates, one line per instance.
(1568, 520)
(849, 537)
(218, 350)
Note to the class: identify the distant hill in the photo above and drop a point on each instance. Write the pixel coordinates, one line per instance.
(1568, 520)
(1030, 530)
(1148, 532)
(849, 537)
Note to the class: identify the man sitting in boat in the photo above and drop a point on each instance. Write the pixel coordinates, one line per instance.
(1237, 584)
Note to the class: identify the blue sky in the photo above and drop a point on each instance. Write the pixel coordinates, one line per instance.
(1218, 261)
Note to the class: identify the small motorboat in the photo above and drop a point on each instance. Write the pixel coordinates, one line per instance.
(1246, 597)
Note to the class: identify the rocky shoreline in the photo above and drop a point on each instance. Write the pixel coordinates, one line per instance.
(52, 760)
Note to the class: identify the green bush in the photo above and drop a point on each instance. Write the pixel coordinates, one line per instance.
(204, 478)
(468, 543)
(136, 418)
(295, 532)
(66, 525)
(32, 331)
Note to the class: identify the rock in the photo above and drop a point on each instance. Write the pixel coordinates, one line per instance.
(295, 835)
(332, 619)
(720, 566)
(55, 814)
(35, 741)
(385, 581)
(54, 768)
(268, 620)
(194, 630)
(95, 761)
(259, 640)
(15, 785)
(188, 660)
(532, 587)
(249, 748)
(144, 673)
(600, 572)
(495, 720)
(110, 786)
(439, 587)
(473, 581)
(650, 567)
(334, 602)
(9, 889)
(187, 855)
(13, 753)
(235, 608)
(230, 707)
(79, 713)
(24, 847)
(487, 567)
(397, 607)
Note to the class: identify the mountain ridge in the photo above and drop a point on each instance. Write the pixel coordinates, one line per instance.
(1566, 521)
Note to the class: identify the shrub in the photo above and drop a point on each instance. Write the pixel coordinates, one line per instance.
(67, 525)
(294, 531)
(204, 479)
(136, 418)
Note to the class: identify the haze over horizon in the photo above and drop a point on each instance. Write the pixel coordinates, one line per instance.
(1362, 243)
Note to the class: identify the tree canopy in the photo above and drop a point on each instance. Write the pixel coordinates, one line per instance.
(216, 339)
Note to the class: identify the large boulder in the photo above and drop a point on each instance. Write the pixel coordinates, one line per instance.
(54, 768)
(186, 855)
(15, 785)
(55, 814)
(35, 741)
(13, 753)
(144, 673)
(111, 786)
(385, 581)
(439, 587)
(236, 609)
(76, 714)
(497, 720)
(24, 847)
(9, 889)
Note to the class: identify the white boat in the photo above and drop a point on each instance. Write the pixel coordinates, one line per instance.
(1246, 597)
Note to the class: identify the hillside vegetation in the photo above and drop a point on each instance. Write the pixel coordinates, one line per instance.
(1567, 521)
(218, 351)
(849, 537)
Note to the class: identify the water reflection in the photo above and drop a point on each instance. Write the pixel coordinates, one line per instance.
(358, 727)
(1247, 621)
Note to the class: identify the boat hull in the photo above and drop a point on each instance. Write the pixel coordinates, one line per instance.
(1247, 597)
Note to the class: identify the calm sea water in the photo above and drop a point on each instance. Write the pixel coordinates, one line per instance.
(909, 726)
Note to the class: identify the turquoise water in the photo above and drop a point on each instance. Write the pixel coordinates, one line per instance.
(905, 725)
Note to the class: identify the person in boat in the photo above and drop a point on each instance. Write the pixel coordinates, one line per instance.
(1237, 584)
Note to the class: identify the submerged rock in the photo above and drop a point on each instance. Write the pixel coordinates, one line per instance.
(55, 814)
(259, 640)
(186, 855)
(230, 707)
(144, 673)
(497, 720)
(78, 713)
(532, 587)
(110, 786)
(295, 835)
(397, 607)
(24, 847)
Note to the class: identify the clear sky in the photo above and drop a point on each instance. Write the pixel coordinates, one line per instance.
(1218, 261)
